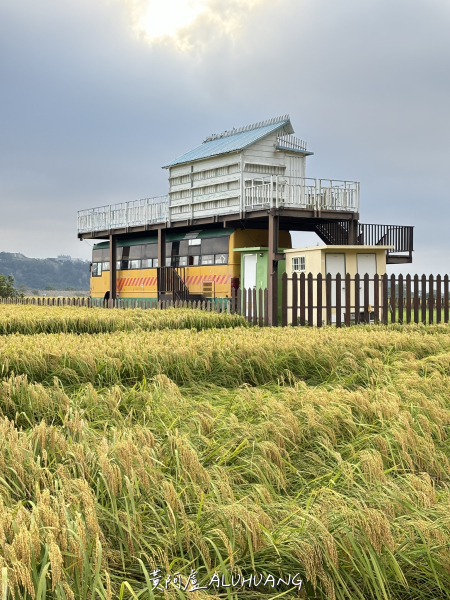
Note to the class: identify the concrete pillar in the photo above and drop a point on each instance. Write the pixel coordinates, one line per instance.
(112, 267)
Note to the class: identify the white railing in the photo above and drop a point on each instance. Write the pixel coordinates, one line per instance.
(291, 143)
(124, 214)
(296, 192)
(266, 192)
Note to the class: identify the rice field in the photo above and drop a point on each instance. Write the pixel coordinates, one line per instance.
(151, 448)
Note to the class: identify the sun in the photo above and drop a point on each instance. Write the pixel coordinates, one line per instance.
(165, 17)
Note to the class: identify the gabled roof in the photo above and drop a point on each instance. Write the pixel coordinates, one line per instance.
(234, 140)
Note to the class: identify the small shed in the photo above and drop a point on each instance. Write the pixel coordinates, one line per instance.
(334, 260)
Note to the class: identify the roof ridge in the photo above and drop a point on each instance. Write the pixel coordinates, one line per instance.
(234, 131)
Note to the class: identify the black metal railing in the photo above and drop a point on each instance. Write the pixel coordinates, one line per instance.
(171, 282)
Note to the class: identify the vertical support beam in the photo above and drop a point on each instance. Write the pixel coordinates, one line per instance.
(273, 268)
(112, 267)
(353, 230)
(161, 247)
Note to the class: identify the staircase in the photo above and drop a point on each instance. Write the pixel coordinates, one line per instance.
(171, 284)
(334, 233)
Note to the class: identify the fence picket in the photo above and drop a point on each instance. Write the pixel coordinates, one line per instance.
(392, 301)
(310, 300)
(302, 299)
(294, 298)
(260, 307)
(446, 307)
(319, 291)
(249, 305)
(408, 298)
(357, 298)
(348, 307)
(266, 307)
(424, 299)
(239, 302)
(438, 299)
(400, 299)
(416, 298)
(284, 299)
(366, 299)
(328, 298)
(255, 308)
(376, 298)
(384, 293)
(338, 300)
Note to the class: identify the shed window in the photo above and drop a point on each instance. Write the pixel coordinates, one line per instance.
(208, 259)
(298, 264)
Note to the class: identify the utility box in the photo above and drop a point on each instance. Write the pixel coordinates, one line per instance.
(334, 260)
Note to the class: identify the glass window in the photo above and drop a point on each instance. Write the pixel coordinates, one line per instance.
(184, 247)
(118, 265)
(96, 269)
(195, 242)
(168, 261)
(96, 255)
(135, 252)
(146, 263)
(208, 259)
(150, 251)
(105, 266)
(298, 264)
(155, 263)
(221, 259)
(218, 245)
(124, 265)
(183, 261)
(135, 264)
(105, 254)
(194, 261)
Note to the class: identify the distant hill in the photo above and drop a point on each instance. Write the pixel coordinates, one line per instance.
(41, 272)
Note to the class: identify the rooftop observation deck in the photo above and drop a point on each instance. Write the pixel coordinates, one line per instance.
(295, 199)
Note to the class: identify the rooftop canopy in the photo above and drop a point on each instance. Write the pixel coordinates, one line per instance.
(234, 140)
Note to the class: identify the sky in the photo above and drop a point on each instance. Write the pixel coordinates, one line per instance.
(96, 95)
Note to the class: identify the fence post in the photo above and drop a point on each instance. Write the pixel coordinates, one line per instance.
(357, 298)
(366, 299)
(376, 298)
(338, 300)
(266, 307)
(302, 299)
(416, 298)
(438, 300)
(294, 299)
(384, 292)
(310, 300)
(400, 299)
(430, 300)
(446, 299)
(348, 307)
(408, 298)
(284, 299)
(393, 314)
(319, 293)
(328, 298)
(424, 299)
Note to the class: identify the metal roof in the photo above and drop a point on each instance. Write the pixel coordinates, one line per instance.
(233, 141)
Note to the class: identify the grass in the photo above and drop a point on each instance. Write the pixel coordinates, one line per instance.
(234, 450)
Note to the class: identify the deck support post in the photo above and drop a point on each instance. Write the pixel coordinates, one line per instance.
(273, 268)
(353, 230)
(161, 256)
(112, 267)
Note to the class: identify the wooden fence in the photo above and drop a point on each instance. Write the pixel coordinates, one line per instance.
(304, 300)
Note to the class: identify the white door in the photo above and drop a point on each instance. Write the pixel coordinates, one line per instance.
(334, 264)
(367, 263)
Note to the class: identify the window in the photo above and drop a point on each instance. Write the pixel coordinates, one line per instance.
(134, 264)
(135, 252)
(298, 264)
(96, 255)
(194, 261)
(216, 245)
(105, 266)
(195, 242)
(208, 259)
(96, 269)
(146, 263)
(168, 261)
(119, 265)
(150, 251)
(155, 263)
(221, 259)
(183, 261)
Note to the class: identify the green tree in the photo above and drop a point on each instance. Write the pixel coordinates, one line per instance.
(7, 289)
(49, 288)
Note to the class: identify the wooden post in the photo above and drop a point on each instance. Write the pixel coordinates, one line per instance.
(366, 299)
(266, 307)
(112, 266)
(393, 315)
(273, 268)
(294, 299)
(438, 299)
(424, 299)
(319, 299)
(338, 300)
(239, 302)
(400, 299)
(233, 300)
(446, 299)
(357, 298)
(328, 298)
(384, 291)
(255, 308)
(310, 300)
(302, 299)
(430, 299)
(284, 299)
(408, 298)
(347, 299)
(416, 298)
(260, 307)
(376, 298)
